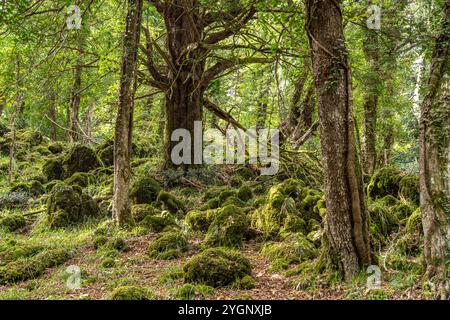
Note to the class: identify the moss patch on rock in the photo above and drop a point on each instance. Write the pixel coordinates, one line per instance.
(145, 190)
(12, 222)
(199, 221)
(53, 169)
(132, 293)
(168, 245)
(170, 202)
(81, 158)
(141, 211)
(409, 189)
(216, 267)
(384, 182)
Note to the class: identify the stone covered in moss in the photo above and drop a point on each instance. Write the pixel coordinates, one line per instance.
(56, 148)
(247, 283)
(212, 203)
(245, 193)
(295, 248)
(132, 293)
(168, 245)
(216, 267)
(382, 221)
(35, 188)
(189, 291)
(160, 222)
(170, 202)
(145, 190)
(141, 211)
(81, 158)
(68, 206)
(384, 182)
(12, 222)
(414, 223)
(80, 178)
(105, 151)
(228, 229)
(409, 189)
(199, 221)
(53, 169)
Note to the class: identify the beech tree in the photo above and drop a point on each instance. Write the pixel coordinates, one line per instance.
(346, 221)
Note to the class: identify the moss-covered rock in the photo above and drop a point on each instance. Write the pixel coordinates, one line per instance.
(12, 222)
(293, 224)
(216, 267)
(247, 283)
(105, 151)
(132, 293)
(228, 229)
(56, 148)
(53, 169)
(140, 211)
(159, 223)
(80, 178)
(168, 245)
(81, 158)
(212, 203)
(414, 223)
(34, 188)
(68, 206)
(384, 182)
(199, 221)
(245, 193)
(170, 202)
(409, 189)
(189, 291)
(382, 221)
(295, 248)
(145, 190)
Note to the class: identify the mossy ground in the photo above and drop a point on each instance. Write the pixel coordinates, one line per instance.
(277, 225)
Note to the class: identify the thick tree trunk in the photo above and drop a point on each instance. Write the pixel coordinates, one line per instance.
(124, 121)
(346, 222)
(435, 164)
(369, 153)
(184, 99)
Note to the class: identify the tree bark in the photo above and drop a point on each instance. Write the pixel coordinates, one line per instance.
(346, 221)
(53, 116)
(124, 121)
(75, 99)
(435, 163)
(369, 153)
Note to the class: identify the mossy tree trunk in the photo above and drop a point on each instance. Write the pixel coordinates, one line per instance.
(435, 163)
(346, 222)
(123, 131)
(371, 52)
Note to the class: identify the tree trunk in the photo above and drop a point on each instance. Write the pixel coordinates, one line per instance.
(124, 121)
(184, 99)
(435, 163)
(369, 153)
(53, 116)
(87, 137)
(346, 222)
(75, 99)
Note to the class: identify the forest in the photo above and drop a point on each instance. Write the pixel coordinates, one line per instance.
(224, 150)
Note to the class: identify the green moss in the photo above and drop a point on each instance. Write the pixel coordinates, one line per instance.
(12, 222)
(247, 283)
(53, 169)
(56, 148)
(382, 222)
(168, 245)
(295, 248)
(385, 181)
(12, 251)
(118, 244)
(29, 268)
(80, 178)
(190, 291)
(140, 211)
(81, 158)
(170, 202)
(132, 293)
(216, 267)
(228, 229)
(34, 188)
(199, 221)
(225, 194)
(213, 203)
(414, 223)
(145, 190)
(99, 241)
(107, 263)
(235, 201)
(105, 152)
(245, 193)
(158, 223)
(294, 223)
(409, 189)
(68, 206)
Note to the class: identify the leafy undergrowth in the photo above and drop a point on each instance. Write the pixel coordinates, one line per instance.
(210, 233)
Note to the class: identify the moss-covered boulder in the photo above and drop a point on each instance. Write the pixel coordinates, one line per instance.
(189, 291)
(170, 202)
(53, 169)
(80, 178)
(81, 158)
(168, 245)
(384, 182)
(199, 221)
(228, 229)
(409, 189)
(56, 148)
(105, 151)
(132, 293)
(68, 205)
(34, 188)
(145, 190)
(382, 221)
(12, 222)
(141, 211)
(216, 267)
(159, 223)
(414, 223)
(295, 248)
(245, 193)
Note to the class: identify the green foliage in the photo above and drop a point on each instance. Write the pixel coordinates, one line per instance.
(168, 245)
(216, 267)
(12, 222)
(409, 189)
(132, 293)
(190, 291)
